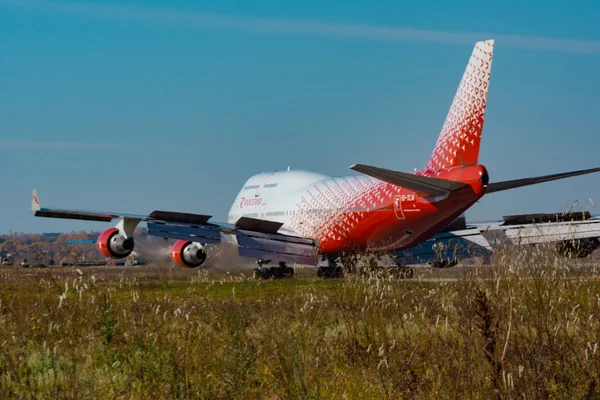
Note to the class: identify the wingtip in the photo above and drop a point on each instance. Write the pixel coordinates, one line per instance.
(35, 201)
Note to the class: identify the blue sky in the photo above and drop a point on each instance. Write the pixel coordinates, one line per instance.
(133, 106)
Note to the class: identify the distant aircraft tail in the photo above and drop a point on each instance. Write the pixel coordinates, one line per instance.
(458, 143)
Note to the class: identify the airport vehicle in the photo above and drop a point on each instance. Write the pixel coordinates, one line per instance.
(309, 218)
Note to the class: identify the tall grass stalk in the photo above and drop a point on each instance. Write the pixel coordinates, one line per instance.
(526, 326)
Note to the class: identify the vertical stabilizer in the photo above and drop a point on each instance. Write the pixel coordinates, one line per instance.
(458, 143)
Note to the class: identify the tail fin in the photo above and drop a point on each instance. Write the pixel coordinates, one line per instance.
(458, 143)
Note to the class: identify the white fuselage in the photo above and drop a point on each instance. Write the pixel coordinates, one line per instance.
(330, 209)
(275, 196)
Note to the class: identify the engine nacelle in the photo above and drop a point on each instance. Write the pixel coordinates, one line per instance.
(112, 243)
(188, 254)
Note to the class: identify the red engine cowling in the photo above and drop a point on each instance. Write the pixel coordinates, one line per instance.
(188, 254)
(111, 243)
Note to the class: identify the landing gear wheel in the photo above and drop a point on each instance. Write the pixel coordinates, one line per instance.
(330, 272)
(349, 264)
(338, 272)
(280, 272)
(399, 272)
(405, 272)
(443, 264)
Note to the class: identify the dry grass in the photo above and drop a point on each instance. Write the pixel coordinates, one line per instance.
(526, 326)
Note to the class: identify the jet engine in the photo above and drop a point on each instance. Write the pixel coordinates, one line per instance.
(112, 243)
(188, 254)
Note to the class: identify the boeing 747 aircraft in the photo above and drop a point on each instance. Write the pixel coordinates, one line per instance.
(310, 218)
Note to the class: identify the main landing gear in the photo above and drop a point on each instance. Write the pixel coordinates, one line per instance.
(443, 263)
(276, 272)
(330, 271)
(399, 272)
(330, 267)
(337, 267)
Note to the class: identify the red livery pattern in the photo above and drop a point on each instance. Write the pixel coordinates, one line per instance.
(366, 212)
(458, 143)
(282, 216)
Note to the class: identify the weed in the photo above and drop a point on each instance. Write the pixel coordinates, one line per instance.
(528, 325)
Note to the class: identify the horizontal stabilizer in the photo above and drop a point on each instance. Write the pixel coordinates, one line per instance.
(516, 183)
(427, 186)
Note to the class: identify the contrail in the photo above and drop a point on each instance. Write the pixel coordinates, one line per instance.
(196, 20)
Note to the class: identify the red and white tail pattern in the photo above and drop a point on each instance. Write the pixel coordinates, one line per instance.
(458, 143)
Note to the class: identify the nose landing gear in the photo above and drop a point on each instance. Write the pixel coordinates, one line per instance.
(276, 272)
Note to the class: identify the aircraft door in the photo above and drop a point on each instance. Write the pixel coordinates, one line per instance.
(398, 207)
(262, 184)
(262, 212)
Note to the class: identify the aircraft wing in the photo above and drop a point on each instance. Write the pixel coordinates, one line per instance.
(462, 241)
(256, 238)
(541, 228)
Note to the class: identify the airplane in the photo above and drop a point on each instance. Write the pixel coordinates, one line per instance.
(303, 217)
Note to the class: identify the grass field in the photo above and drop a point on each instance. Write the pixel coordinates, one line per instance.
(526, 326)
